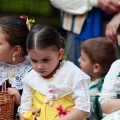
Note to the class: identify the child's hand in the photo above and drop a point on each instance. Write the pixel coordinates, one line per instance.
(15, 92)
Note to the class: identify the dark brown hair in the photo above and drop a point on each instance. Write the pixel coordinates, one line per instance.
(16, 31)
(118, 29)
(100, 50)
(42, 36)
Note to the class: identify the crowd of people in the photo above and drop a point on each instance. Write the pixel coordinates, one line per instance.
(33, 70)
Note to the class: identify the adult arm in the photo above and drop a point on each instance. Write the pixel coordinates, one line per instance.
(112, 26)
(74, 6)
(83, 6)
(109, 6)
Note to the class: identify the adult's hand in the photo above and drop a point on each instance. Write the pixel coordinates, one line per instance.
(109, 6)
(112, 26)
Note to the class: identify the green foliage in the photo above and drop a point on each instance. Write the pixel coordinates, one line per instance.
(36, 7)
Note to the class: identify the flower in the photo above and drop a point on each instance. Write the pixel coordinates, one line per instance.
(29, 22)
(32, 21)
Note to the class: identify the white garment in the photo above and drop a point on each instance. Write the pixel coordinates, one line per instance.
(19, 70)
(72, 8)
(68, 79)
(113, 116)
(75, 6)
(111, 86)
(94, 91)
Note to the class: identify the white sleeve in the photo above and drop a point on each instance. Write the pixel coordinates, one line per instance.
(81, 94)
(26, 99)
(111, 83)
(74, 6)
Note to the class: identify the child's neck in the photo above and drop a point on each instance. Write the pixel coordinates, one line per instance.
(54, 71)
(95, 77)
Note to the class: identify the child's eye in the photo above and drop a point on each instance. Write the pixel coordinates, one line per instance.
(82, 58)
(46, 60)
(1, 43)
(34, 61)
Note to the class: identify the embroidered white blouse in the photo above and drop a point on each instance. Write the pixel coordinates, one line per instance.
(17, 73)
(111, 85)
(68, 79)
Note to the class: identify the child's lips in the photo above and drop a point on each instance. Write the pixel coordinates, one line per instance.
(42, 71)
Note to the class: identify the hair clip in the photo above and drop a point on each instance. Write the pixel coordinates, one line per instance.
(24, 17)
(29, 22)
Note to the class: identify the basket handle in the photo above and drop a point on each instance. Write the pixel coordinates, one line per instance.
(3, 88)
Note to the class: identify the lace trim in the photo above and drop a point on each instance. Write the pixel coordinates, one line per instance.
(14, 73)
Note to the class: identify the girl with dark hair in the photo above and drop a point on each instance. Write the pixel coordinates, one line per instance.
(14, 63)
(54, 89)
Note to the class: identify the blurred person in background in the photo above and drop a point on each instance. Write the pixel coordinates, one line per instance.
(87, 19)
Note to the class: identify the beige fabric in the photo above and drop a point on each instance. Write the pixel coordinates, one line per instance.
(78, 23)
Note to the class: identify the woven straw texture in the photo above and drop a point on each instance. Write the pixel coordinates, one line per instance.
(6, 106)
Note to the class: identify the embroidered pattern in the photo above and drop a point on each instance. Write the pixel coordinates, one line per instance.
(14, 73)
(51, 96)
(11, 74)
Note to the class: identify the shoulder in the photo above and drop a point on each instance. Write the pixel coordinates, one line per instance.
(115, 68)
(75, 71)
(112, 78)
(32, 74)
(116, 64)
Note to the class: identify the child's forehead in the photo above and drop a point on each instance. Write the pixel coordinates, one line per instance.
(49, 48)
(41, 52)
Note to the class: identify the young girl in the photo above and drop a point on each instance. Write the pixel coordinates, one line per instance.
(54, 89)
(110, 97)
(14, 64)
(97, 55)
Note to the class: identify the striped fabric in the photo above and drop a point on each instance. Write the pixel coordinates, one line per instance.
(95, 89)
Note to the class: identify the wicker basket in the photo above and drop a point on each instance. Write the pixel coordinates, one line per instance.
(6, 106)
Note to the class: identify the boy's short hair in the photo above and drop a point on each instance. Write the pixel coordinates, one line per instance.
(100, 50)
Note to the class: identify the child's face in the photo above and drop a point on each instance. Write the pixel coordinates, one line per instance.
(45, 61)
(118, 39)
(6, 51)
(85, 63)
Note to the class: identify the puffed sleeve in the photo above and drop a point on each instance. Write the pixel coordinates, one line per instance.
(81, 94)
(74, 6)
(111, 83)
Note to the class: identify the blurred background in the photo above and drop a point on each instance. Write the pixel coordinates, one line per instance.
(41, 10)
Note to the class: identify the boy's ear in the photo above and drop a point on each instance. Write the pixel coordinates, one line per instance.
(96, 68)
(17, 50)
(60, 53)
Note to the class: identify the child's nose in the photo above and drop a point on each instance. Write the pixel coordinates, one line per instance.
(79, 60)
(40, 66)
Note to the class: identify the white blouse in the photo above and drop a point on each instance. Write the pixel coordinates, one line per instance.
(75, 6)
(111, 86)
(68, 79)
(14, 73)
